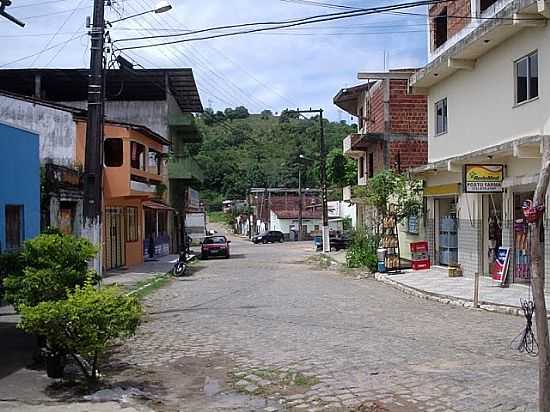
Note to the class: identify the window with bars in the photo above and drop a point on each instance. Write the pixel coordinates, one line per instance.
(137, 158)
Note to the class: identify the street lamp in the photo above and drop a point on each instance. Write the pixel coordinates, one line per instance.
(162, 7)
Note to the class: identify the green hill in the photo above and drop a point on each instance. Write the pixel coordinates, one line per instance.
(240, 151)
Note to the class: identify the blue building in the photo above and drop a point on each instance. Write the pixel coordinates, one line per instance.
(19, 186)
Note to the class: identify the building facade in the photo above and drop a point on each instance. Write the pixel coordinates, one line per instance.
(19, 187)
(488, 115)
(391, 134)
(163, 100)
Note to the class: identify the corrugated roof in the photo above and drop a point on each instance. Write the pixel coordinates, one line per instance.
(66, 85)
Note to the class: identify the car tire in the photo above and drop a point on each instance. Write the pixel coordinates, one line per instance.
(264, 241)
(204, 256)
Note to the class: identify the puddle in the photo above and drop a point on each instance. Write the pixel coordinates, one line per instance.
(211, 386)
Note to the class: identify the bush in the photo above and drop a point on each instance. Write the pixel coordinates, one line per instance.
(47, 267)
(362, 251)
(84, 324)
(9, 263)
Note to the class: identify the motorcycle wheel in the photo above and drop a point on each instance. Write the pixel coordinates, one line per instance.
(180, 269)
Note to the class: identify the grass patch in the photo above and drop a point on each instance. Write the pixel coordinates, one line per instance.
(145, 287)
(217, 217)
(282, 382)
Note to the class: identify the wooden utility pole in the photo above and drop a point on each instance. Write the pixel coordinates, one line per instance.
(93, 168)
(323, 172)
(537, 277)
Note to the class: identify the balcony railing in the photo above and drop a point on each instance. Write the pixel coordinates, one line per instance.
(184, 168)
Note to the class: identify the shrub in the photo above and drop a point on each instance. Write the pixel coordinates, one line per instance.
(9, 263)
(362, 251)
(47, 267)
(83, 324)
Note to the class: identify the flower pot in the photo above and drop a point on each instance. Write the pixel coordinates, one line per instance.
(55, 365)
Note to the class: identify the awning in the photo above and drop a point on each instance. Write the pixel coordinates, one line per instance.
(156, 205)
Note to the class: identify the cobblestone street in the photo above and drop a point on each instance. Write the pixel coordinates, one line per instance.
(271, 332)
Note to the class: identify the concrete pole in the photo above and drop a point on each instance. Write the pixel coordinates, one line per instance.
(300, 204)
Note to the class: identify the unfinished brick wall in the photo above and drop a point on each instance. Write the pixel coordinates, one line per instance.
(376, 110)
(408, 153)
(454, 25)
(408, 113)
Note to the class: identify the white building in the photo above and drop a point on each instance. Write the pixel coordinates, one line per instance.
(489, 108)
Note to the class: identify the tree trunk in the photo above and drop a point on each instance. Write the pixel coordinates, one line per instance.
(537, 276)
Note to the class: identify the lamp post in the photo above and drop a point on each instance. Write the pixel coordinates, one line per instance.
(93, 168)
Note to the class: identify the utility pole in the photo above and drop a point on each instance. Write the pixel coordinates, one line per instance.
(300, 203)
(93, 168)
(323, 170)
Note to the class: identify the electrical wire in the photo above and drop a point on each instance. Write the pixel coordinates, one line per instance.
(49, 48)
(526, 342)
(48, 14)
(52, 38)
(286, 23)
(36, 4)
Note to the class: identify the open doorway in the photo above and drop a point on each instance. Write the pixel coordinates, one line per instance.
(492, 230)
(446, 233)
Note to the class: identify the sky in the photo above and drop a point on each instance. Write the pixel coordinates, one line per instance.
(300, 67)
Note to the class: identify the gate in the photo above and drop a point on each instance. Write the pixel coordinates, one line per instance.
(115, 256)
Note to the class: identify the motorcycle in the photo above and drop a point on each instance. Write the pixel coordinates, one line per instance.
(181, 267)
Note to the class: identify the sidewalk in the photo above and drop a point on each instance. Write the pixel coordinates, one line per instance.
(435, 284)
(128, 278)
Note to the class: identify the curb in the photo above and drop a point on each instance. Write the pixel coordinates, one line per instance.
(446, 299)
(153, 281)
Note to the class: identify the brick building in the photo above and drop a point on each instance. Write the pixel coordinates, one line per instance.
(392, 128)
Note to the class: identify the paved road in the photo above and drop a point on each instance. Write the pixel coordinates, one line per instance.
(265, 313)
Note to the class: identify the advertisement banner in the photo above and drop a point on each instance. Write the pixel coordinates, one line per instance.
(500, 269)
(193, 199)
(480, 178)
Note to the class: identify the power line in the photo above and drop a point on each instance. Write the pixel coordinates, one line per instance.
(177, 51)
(52, 38)
(294, 22)
(36, 4)
(50, 14)
(49, 48)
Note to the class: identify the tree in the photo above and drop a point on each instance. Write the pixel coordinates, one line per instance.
(240, 112)
(266, 114)
(538, 279)
(286, 115)
(341, 171)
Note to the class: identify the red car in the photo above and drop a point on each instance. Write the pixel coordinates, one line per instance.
(215, 246)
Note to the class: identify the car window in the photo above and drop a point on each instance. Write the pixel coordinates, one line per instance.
(214, 240)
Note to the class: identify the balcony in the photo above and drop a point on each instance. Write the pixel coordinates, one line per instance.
(183, 128)
(355, 146)
(184, 168)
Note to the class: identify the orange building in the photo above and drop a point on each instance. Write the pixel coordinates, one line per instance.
(136, 219)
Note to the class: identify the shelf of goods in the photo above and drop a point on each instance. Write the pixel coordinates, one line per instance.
(390, 241)
(448, 241)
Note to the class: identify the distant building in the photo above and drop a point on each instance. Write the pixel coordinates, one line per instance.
(19, 187)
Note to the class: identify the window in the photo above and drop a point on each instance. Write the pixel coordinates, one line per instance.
(441, 117)
(154, 162)
(132, 224)
(527, 78)
(137, 159)
(440, 28)
(361, 167)
(14, 227)
(371, 164)
(114, 152)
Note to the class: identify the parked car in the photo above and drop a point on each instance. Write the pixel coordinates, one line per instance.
(337, 242)
(215, 246)
(270, 236)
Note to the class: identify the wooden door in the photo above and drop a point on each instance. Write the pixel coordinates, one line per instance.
(115, 256)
